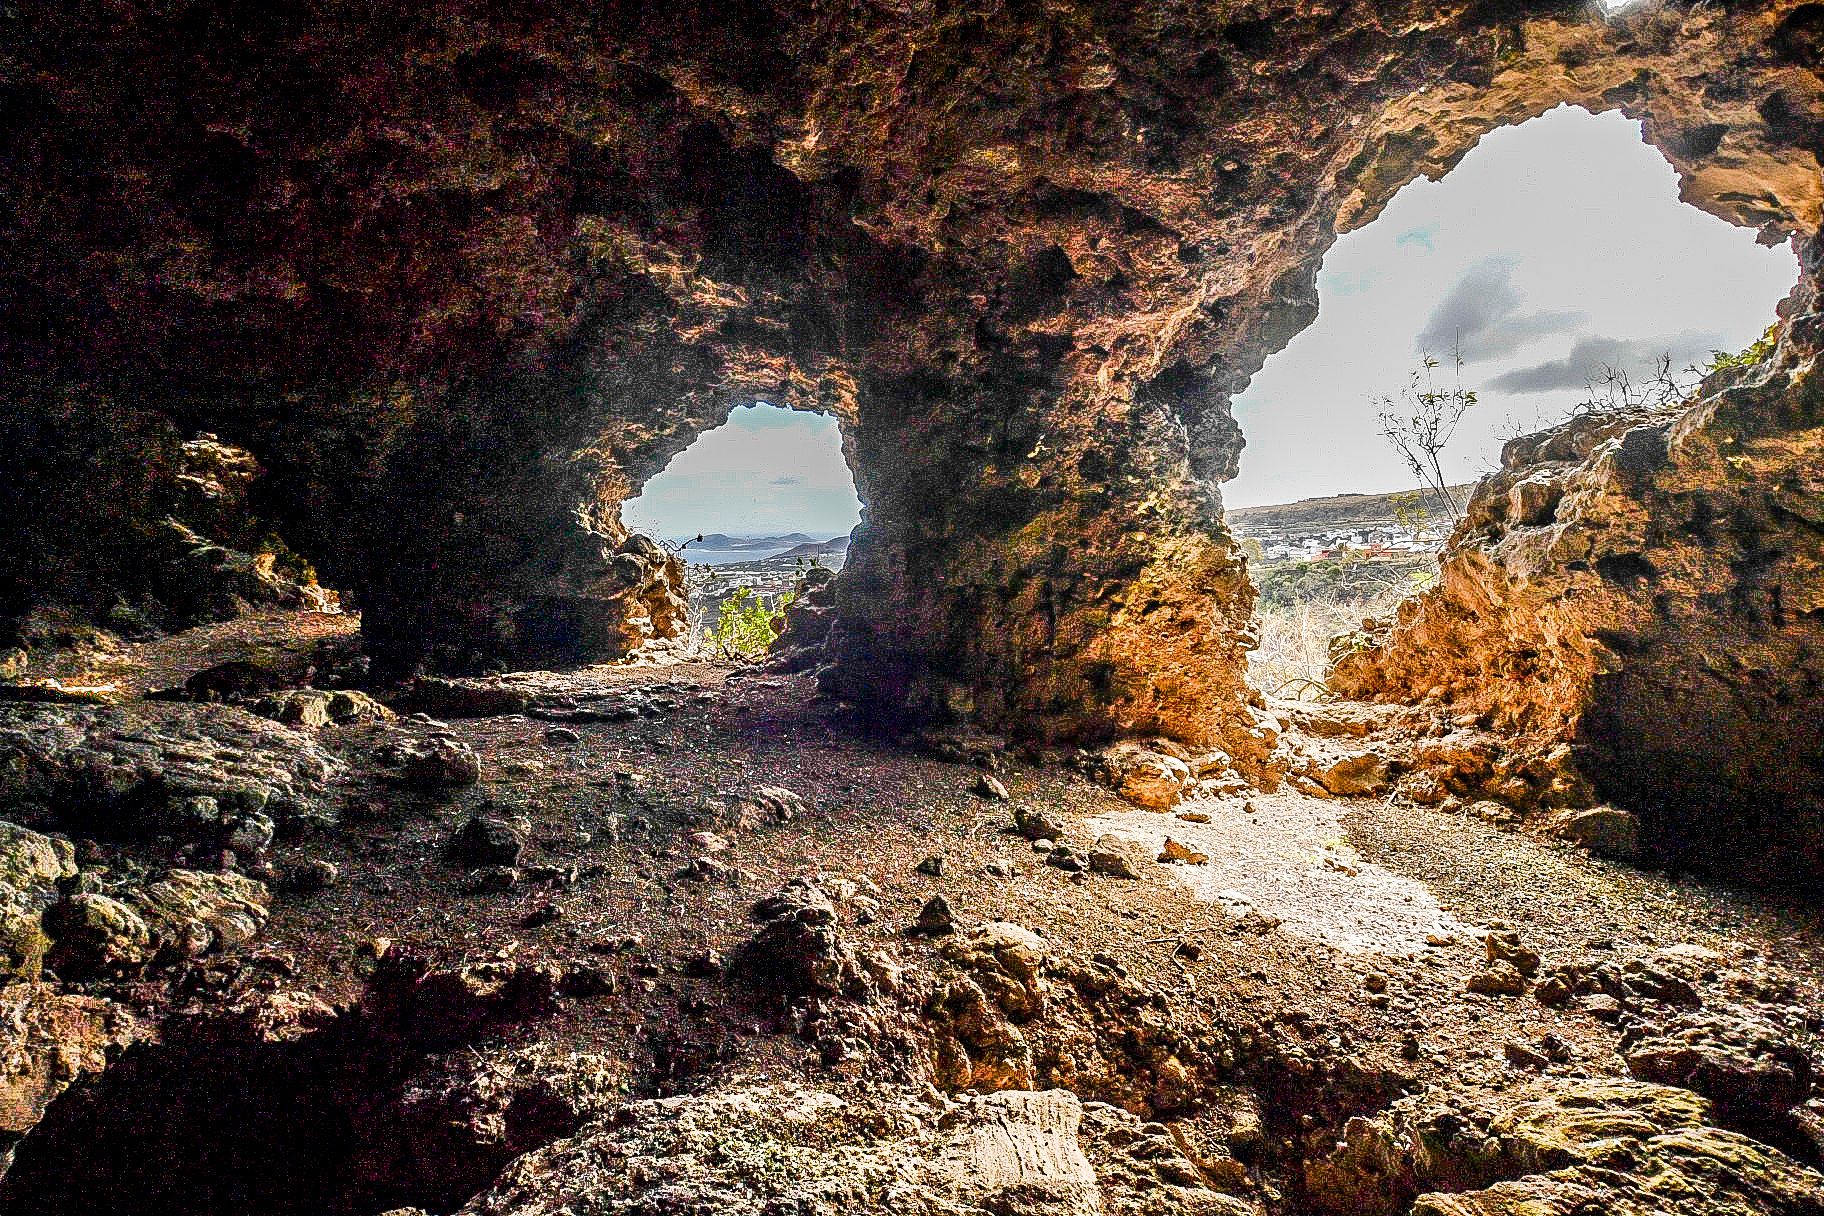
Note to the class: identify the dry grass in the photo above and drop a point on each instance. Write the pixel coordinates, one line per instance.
(1294, 652)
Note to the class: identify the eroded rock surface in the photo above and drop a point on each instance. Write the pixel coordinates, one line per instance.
(463, 286)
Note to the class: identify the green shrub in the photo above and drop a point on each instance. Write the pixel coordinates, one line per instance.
(747, 626)
(1758, 350)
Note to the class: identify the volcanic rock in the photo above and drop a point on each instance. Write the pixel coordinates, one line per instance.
(489, 840)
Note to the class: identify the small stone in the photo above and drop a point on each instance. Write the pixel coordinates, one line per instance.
(1177, 851)
(1553, 990)
(440, 764)
(705, 963)
(1504, 945)
(1116, 857)
(1192, 817)
(546, 913)
(1500, 979)
(562, 736)
(936, 918)
(991, 787)
(1036, 825)
(316, 874)
(1374, 981)
(1521, 1056)
(489, 840)
(932, 866)
(998, 868)
(1068, 858)
(709, 842)
(492, 880)
(1602, 1007)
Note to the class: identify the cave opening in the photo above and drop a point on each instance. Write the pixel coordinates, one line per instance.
(1558, 263)
(754, 508)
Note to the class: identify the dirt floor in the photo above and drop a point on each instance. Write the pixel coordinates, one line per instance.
(1330, 929)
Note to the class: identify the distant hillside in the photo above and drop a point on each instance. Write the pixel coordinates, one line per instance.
(721, 540)
(825, 548)
(1318, 514)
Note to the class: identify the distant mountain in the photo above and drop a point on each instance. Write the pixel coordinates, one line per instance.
(727, 543)
(824, 548)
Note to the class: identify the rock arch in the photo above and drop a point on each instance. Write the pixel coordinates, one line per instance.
(462, 277)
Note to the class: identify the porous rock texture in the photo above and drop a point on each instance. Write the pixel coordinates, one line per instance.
(464, 278)
(1648, 586)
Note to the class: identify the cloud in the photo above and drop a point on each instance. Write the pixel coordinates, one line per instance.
(1417, 238)
(1589, 356)
(1480, 315)
(786, 481)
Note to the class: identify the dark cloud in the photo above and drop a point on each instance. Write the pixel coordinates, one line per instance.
(787, 481)
(1480, 315)
(1589, 356)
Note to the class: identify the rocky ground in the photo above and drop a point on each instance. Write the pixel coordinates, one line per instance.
(681, 938)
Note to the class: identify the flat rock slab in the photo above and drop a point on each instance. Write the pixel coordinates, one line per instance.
(95, 760)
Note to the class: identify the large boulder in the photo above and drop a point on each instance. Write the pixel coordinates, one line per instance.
(32, 867)
(1557, 1146)
(755, 1149)
(138, 769)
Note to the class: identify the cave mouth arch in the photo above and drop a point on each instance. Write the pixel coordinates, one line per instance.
(751, 506)
(1557, 247)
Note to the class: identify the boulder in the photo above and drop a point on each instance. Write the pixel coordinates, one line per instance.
(137, 769)
(98, 935)
(1751, 1068)
(1119, 857)
(49, 1041)
(1606, 831)
(1143, 775)
(32, 865)
(489, 840)
(1356, 775)
(1555, 1145)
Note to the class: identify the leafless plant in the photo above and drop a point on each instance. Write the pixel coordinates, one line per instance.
(1422, 419)
(1613, 391)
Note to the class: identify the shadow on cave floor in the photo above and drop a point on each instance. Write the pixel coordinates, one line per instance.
(1340, 925)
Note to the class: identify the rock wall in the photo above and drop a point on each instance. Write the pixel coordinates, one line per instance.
(1649, 586)
(464, 278)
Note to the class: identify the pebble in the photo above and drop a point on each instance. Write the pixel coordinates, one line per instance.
(991, 787)
(936, 917)
(316, 874)
(1178, 851)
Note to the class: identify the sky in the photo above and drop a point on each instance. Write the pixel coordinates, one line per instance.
(765, 472)
(1553, 248)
